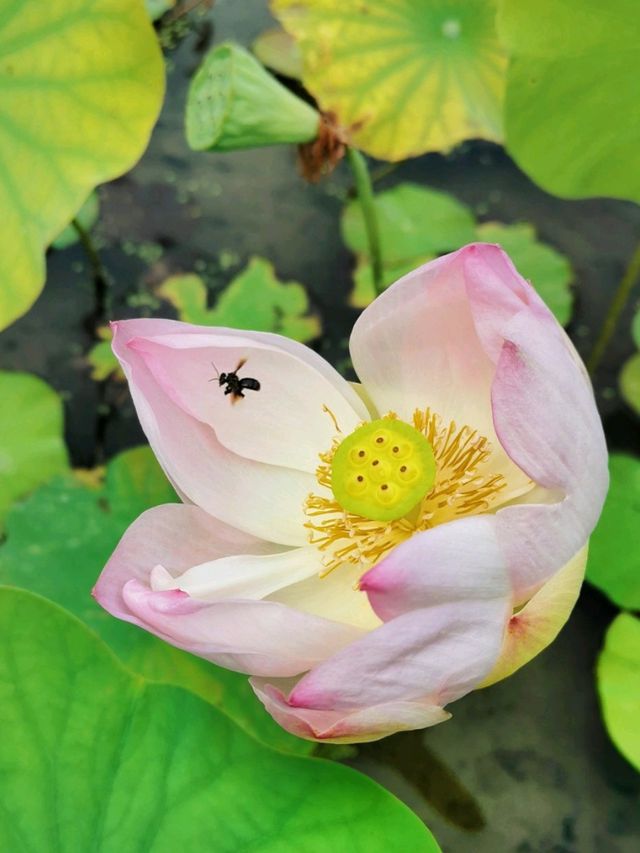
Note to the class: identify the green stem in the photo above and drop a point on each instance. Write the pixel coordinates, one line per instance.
(101, 313)
(620, 297)
(100, 275)
(364, 188)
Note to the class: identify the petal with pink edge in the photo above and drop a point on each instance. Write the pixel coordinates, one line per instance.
(538, 623)
(547, 421)
(458, 561)
(285, 422)
(263, 500)
(432, 655)
(361, 726)
(418, 346)
(175, 536)
(256, 637)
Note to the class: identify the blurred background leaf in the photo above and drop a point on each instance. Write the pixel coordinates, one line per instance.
(102, 358)
(404, 77)
(572, 95)
(418, 223)
(618, 678)
(635, 328)
(614, 558)
(413, 221)
(279, 51)
(102, 759)
(254, 299)
(630, 382)
(80, 90)
(32, 448)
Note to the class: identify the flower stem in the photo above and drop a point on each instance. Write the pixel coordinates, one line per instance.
(620, 297)
(99, 316)
(364, 188)
(100, 275)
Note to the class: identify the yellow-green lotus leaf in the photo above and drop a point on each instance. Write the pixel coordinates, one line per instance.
(81, 84)
(403, 76)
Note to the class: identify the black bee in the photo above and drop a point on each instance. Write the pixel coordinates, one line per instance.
(234, 385)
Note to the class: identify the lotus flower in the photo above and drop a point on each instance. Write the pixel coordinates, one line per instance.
(370, 552)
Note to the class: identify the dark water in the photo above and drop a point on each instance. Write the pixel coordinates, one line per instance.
(528, 758)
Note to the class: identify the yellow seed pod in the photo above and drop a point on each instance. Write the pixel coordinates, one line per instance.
(382, 470)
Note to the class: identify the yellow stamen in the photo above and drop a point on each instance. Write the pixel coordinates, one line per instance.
(460, 488)
(328, 411)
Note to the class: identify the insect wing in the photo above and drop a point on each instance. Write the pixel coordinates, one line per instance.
(251, 384)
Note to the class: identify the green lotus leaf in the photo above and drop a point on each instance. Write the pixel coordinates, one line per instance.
(630, 382)
(402, 76)
(58, 541)
(32, 448)
(101, 759)
(548, 270)
(614, 558)
(618, 679)
(572, 95)
(255, 299)
(81, 85)
(234, 103)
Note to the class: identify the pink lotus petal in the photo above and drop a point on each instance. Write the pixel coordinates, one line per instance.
(547, 421)
(364, 724)
(538, 623)
(418, 346)
(258, 637)
(455, 562)
(264, 500)
(255, 637)
(171, 535)
(432, 655)
(284, 423)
